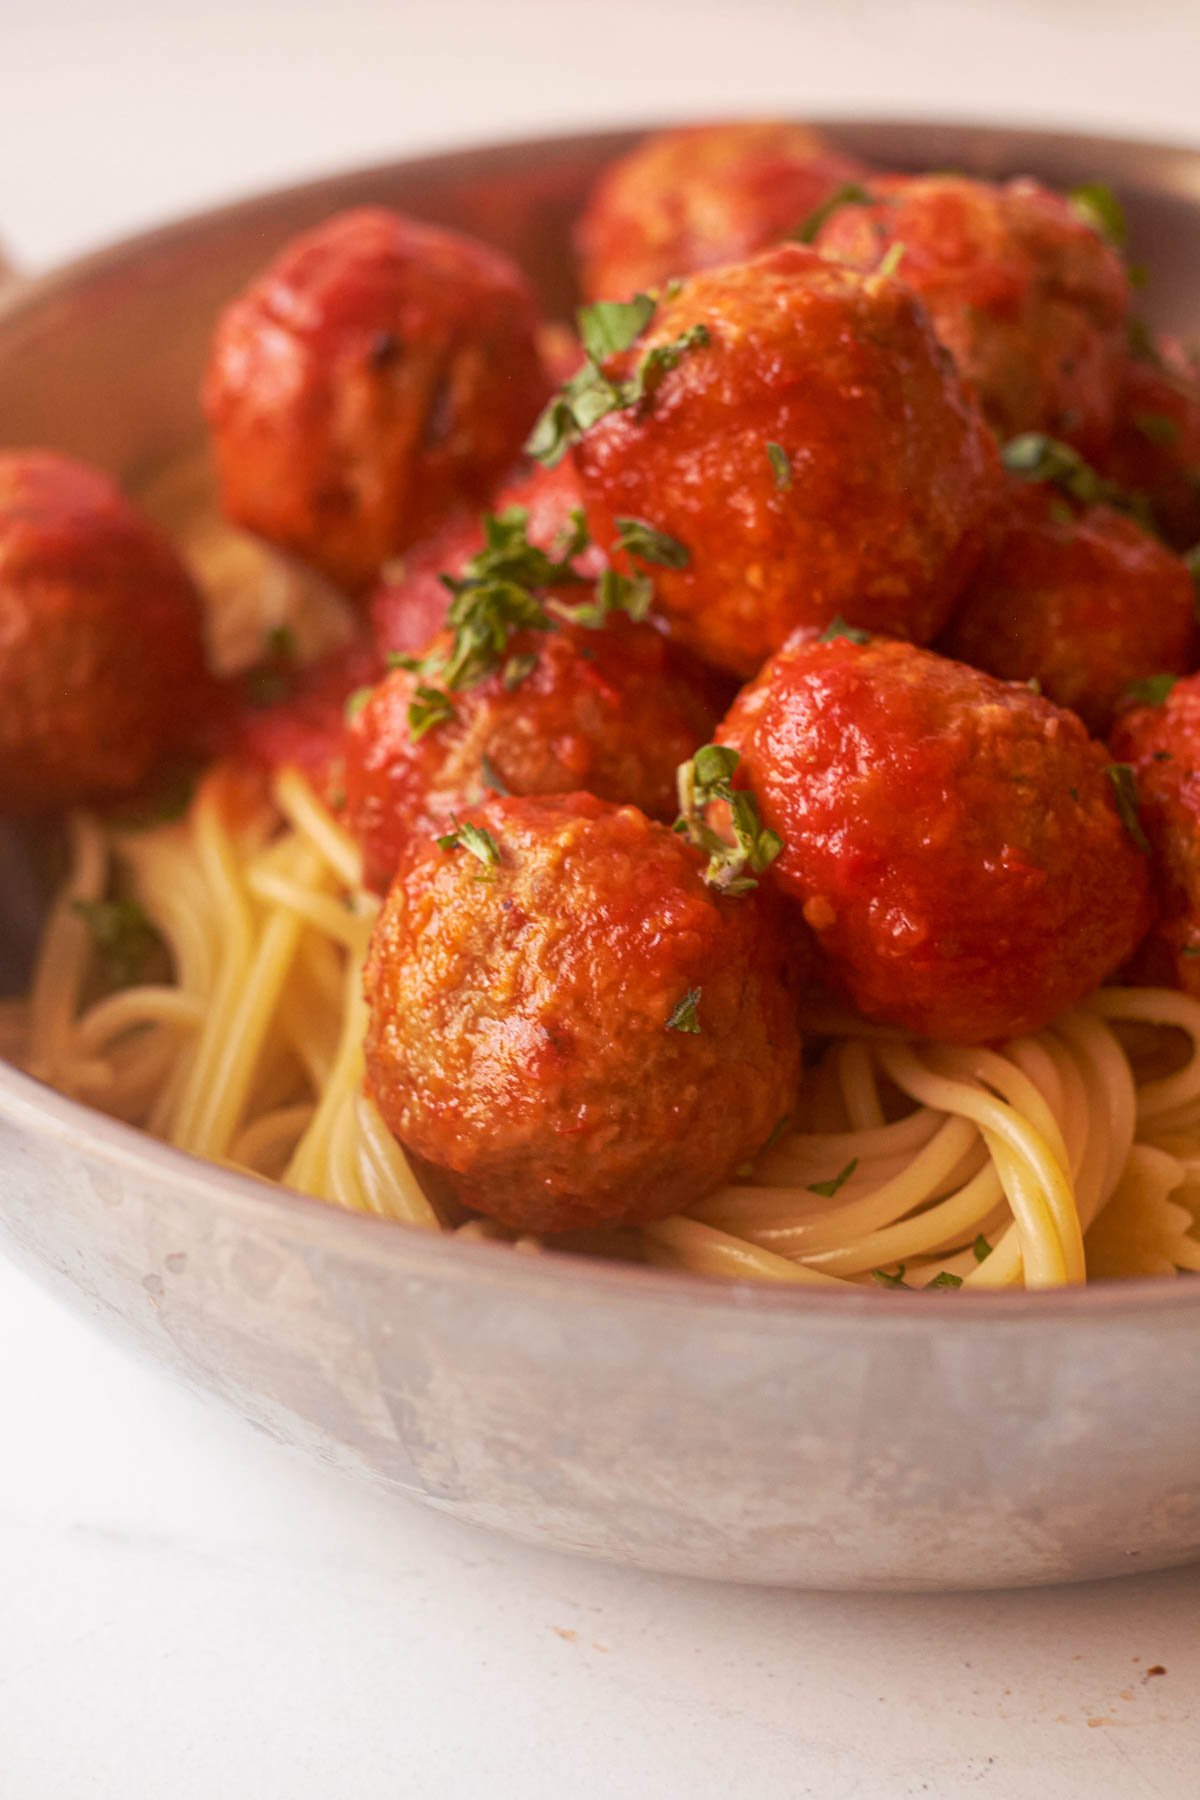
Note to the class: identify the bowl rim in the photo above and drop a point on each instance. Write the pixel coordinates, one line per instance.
(29, 1105)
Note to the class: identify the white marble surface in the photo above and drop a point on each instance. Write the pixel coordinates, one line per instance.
(185, 1609)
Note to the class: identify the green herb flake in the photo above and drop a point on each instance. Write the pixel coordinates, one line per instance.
(827, 1189)
(685, 1016)
(892, 1281)
(355, 703)
(428, 708)
(781, 466)
(589, 395)
(1190, 950)
(480, 843)
(610, 326)
(1150, 692)
(889, 265)
(1124, 785)
(637, 538)
(851, 193)
(838, 628)
(490, 777)
(124, 939)
(517, 669)
(1157, 428)
(1097, 206)
(1033, 456)
(981, 1249)
(1191, 562)
(707, 778)
(946, 1279)
(496, 596)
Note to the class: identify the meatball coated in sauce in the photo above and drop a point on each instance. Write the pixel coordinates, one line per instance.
(953, 840)
(101, 648)
(873, 503)
(377, 373)
(702, 196)
(409, 605)
(1084, 602)
(613, 711)
(521, 1040)
(1155, 449)
(1029, 299)
(1162, 743)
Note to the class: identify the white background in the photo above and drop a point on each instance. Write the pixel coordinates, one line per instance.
(185, 1609)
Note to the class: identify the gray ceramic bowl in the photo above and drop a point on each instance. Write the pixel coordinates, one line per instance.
(869, 1441)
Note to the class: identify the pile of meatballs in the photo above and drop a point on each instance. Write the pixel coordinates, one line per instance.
(817, 621)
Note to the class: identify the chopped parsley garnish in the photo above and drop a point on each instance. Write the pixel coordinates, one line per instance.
(1150, 692)
(355, 703)
(1097, 205)
(890, 263)
(1191, 562)
(708, 777)
(1190, 950)
(1124, 787)
(1035, 457)
(781, 466)
(685, 1016)
(474, 838)
(827, 1189)
(491, 779)
(893, 1281)
(124, 938)
(639, 539)
(428, 707)
(981, 1249)
(838, 628)
(517, 668)
(851, 193)
(608, 328)
(495, 596)
(946, 1279)
(1157, 428)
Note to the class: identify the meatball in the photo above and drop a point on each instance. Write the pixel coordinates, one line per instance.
(1155, 449)
(805, 439)
(567, 1026)
(955, 842)
(409, 605)
(378, 372)
(1161, 743)
(1031, 302)
(101, 647)
(701, 196)
(613, 710)
(1083, 602)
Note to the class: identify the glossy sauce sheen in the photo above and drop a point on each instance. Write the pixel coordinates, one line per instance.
(378, 372)
(893, 472)
(952, 840)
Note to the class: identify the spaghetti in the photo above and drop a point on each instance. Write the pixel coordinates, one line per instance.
(1071, 1153)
